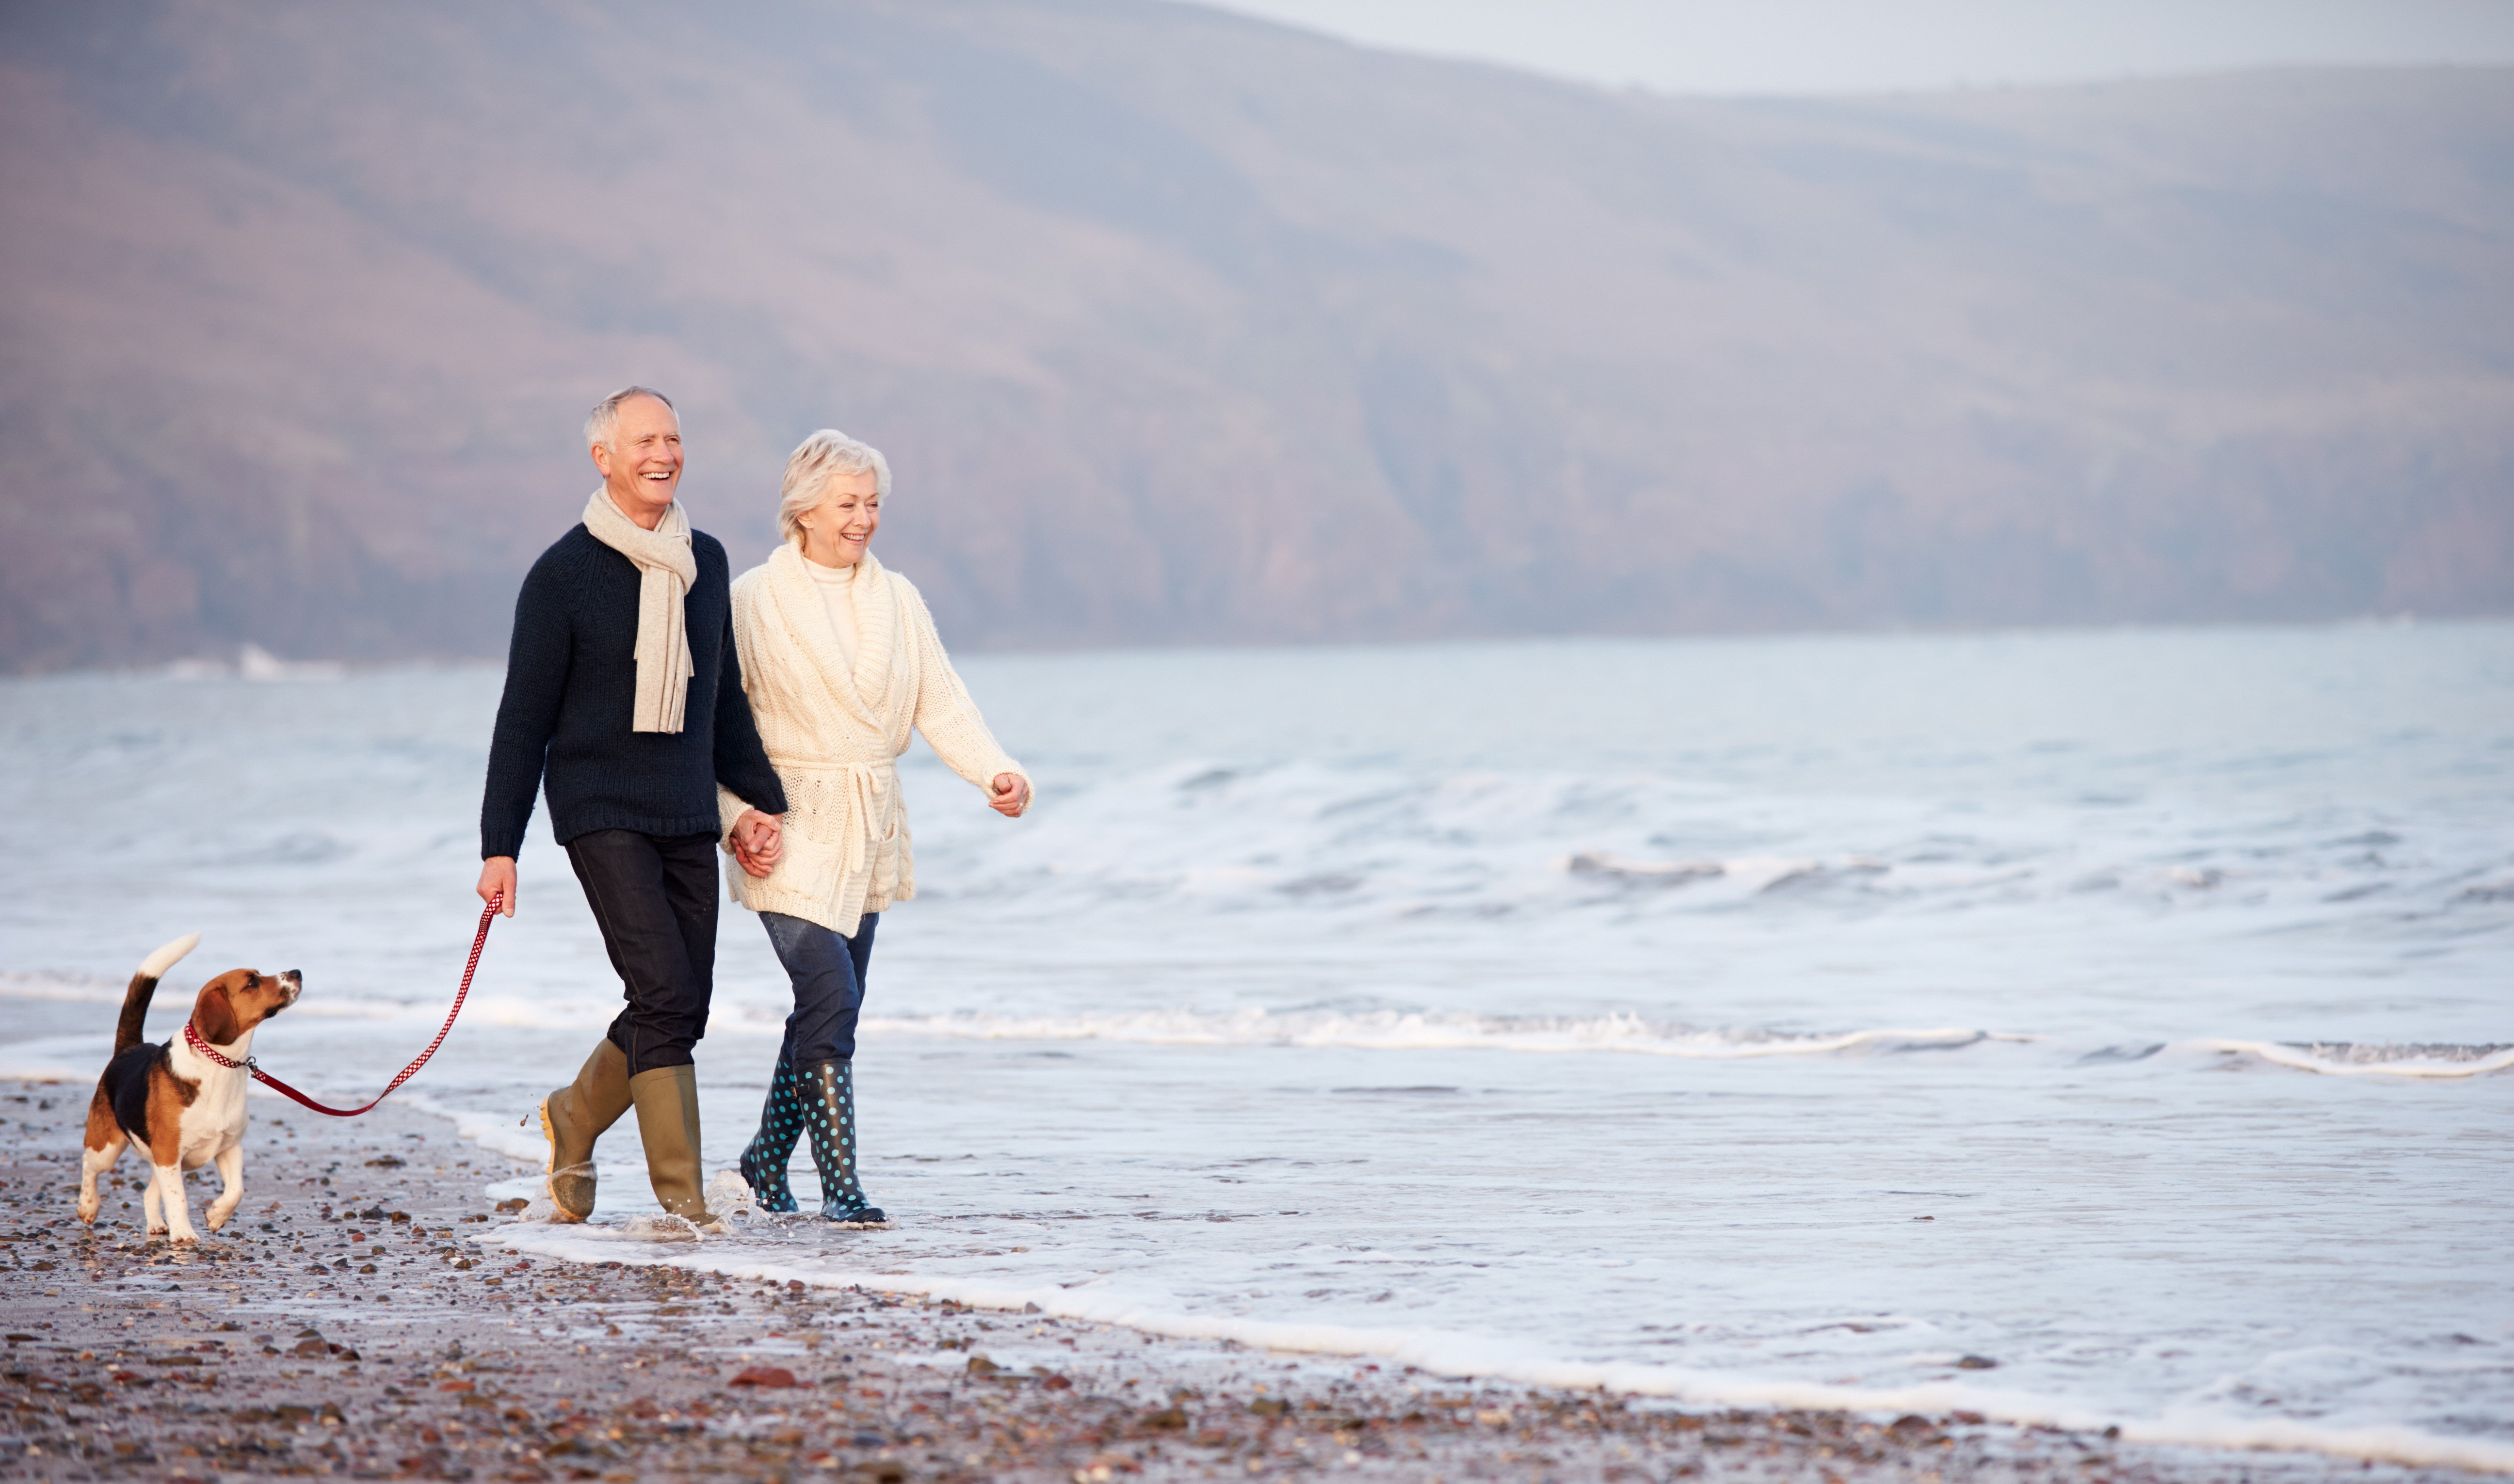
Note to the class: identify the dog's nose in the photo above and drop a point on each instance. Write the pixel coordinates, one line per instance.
(294, 982)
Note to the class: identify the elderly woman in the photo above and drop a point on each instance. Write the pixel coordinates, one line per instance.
(840, 661)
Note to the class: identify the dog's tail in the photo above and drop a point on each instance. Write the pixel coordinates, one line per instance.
(143, 987)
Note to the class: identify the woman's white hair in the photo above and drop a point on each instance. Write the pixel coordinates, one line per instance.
(819, 459)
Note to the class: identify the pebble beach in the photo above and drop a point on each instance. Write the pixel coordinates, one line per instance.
(360, 1318)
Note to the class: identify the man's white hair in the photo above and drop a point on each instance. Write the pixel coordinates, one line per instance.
(604, 421)
(817, 460)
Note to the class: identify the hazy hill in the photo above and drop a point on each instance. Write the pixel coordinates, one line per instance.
(1178, 326)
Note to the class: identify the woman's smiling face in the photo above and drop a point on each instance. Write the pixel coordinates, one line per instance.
(837, 530)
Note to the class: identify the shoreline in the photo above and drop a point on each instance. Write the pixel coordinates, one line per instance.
(362, 1315)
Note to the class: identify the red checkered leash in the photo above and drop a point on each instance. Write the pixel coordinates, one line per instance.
(479, 940)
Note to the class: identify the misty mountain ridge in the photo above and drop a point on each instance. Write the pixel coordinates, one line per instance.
(1179, 327)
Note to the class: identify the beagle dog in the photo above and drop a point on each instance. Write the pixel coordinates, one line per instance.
(182, 1109)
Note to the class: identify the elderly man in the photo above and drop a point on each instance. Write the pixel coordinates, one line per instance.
(624, 702)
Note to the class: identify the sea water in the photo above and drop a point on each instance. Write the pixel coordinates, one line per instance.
(2096, 1026)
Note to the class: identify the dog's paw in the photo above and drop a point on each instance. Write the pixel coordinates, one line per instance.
(88, 1207)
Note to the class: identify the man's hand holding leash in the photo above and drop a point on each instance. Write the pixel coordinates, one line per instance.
(498, 883)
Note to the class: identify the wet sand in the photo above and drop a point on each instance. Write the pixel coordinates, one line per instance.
(348, 1322)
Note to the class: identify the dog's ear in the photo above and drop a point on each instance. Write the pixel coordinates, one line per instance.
(214, 1014)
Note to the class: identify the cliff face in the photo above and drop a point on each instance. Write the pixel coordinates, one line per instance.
(1180, 327)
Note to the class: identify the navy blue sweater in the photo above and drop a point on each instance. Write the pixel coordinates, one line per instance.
(571, 690)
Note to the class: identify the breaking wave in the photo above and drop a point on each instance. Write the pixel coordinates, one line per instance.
(2347, 1059)
(1415, 1030)
(1635, 1035)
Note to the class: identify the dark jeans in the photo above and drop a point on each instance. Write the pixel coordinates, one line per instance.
(655, 900)
(828, 974)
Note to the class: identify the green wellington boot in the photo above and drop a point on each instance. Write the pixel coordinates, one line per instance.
(572, 1118)
(667, 1121)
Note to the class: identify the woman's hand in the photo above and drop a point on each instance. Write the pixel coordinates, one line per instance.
(758, 841)
(1012, 795)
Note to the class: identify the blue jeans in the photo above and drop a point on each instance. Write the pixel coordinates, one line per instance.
(828, 974)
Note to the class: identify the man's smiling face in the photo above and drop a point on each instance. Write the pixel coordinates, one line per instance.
(642, 466)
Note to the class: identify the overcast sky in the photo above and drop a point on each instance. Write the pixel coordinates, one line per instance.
(1858, 46)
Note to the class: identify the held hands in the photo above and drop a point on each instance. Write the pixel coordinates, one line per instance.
(758, 841)
(496, 881)
(1012, 795)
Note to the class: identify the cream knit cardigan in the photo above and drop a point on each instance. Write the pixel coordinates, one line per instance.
(833, 735)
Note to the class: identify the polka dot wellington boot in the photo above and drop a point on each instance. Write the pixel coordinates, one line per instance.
(781, 1124)
(828, 1093)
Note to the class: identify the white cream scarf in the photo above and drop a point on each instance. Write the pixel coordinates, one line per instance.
(666, 570)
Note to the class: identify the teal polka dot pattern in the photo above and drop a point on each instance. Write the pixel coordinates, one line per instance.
(827, 1092)
(772, 1148)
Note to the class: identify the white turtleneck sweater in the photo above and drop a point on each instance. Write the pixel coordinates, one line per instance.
(838, 589)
